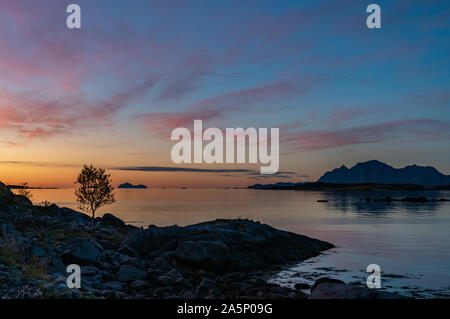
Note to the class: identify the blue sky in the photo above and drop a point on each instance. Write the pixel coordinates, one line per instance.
(115, 89)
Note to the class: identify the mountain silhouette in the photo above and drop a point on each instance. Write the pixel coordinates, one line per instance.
(381, 173)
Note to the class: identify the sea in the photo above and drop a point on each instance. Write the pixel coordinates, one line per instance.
(410, 242)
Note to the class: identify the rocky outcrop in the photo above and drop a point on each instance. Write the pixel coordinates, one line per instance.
(225, 245)
(110, 219)
(8, 199)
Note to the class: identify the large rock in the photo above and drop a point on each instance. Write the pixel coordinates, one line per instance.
(55, 264)
(109, 219)
(203, 253)
(125, 250)
(131, 273)
(226, 245)
(83, 252)
(9, 200)
(63, 213)
(326, 288)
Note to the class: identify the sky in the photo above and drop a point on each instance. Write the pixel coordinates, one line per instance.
(111, 92)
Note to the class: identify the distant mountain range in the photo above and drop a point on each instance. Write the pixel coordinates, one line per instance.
(128, 185)
(381, 173)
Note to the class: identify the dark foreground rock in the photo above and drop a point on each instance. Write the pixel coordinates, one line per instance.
(225, 245)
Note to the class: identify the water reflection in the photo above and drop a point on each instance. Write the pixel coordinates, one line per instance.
(408, 239)
(355, 202)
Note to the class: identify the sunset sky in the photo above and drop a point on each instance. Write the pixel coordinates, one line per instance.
(111, 93)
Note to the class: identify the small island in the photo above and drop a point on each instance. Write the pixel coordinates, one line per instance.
(128, 185)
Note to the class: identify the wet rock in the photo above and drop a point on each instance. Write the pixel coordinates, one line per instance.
(327, 288)
(302, 286)
(131, 273)
(326, 280)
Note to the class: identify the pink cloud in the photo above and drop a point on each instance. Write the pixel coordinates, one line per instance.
(34, 117)
(221, 105)
(407, 130)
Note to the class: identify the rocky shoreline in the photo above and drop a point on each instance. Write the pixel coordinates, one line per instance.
(216, 259)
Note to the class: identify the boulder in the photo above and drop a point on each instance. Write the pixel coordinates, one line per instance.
(8, 199)
(111, 220)
(73, 215)
(83, 252)
(131, 273)
(126, 250)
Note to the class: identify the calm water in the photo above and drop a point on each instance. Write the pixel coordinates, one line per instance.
(409, 241)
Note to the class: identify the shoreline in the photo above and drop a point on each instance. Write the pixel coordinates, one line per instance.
(216, 259)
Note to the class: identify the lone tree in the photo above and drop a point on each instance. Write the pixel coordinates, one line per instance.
(94, 189)
(24, 190)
